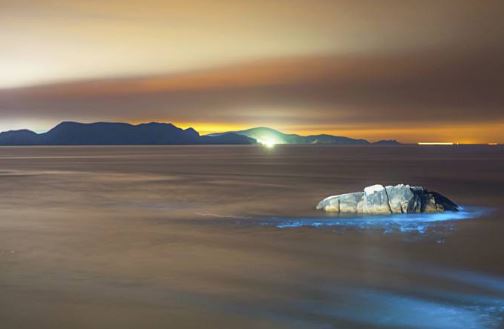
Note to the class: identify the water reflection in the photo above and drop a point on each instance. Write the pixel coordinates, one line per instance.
(346, 305)
(424, 307)
(439, 310)
(418, 223)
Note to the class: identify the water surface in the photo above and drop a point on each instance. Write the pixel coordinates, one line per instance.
(227, 237)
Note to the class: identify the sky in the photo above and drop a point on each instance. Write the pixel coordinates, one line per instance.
(412, 70)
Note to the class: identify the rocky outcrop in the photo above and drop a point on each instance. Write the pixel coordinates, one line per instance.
(385, 200)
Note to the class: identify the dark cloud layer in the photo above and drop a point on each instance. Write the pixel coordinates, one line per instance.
(309, 91)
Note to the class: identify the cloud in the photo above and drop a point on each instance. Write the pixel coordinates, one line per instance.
(429, 88)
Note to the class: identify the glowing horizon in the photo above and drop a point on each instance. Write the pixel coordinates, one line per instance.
(372, 135)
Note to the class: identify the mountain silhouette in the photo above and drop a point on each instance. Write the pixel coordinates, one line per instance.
(387, 142)
(156, 133)
(267, 135)
(19, 137)
(111, 133)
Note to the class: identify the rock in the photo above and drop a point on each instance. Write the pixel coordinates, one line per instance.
(375, 200)
(345, 203)
(402, 199)
(386, 200)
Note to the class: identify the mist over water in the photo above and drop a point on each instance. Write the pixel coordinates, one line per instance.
(227, 237)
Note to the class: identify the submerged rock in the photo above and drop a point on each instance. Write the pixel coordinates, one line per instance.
(385, 200)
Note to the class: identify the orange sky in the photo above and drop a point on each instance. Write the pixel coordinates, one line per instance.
(472, 134)
(409, 70)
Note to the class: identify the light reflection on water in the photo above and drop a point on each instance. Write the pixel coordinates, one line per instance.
(424, 307)
(477, 303)
(442, 310)
(418, 223)
(418, 307)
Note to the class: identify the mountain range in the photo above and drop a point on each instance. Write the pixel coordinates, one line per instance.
(111, 133)
(154, 133)
(265, 135)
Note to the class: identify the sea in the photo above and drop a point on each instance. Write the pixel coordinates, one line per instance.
(229, 237)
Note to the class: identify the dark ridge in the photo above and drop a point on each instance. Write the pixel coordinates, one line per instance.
(114, 133)
(19, 137)
(387, 142)
(278, 137)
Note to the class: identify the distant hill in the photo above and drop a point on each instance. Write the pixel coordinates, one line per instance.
(267, 135)
(109, 133)
(387, 142)
(19, 137)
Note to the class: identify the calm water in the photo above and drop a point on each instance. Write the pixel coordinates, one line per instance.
(226, 237)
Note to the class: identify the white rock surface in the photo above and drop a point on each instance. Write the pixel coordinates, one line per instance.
(384, 200)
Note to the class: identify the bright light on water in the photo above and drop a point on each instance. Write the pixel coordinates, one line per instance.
(268, 141)
(269, 144)
(418, 223)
